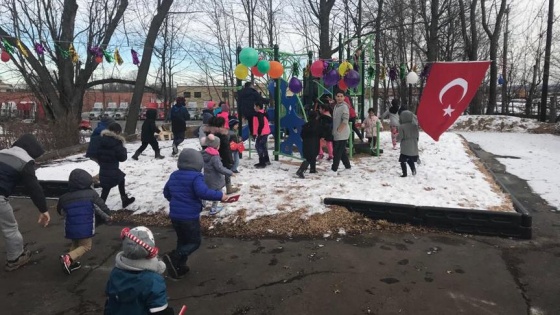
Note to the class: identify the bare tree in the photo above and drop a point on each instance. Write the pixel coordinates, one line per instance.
(161, 12)
(470, 41)
(321, 9)
(169, 51)
(54, 78)
(494, 36)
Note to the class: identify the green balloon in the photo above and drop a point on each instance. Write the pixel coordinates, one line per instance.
(249, 56)
(263, 66)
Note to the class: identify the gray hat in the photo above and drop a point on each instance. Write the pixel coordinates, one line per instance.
(212, 141)
(190, 159)
(133, 250)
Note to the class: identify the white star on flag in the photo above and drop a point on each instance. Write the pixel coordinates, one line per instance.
(448, 111)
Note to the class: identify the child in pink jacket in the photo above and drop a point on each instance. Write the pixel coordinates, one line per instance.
(370, 127)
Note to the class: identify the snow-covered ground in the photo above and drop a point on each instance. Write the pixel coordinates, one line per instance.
(447, 177)
(535, 158)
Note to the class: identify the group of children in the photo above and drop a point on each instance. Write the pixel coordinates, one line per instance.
(318, 133)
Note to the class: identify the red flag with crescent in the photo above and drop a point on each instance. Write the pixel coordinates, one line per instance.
(448, 92)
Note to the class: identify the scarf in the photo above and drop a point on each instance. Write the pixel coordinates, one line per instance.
(152, 264)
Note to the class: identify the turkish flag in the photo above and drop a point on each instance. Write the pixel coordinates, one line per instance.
(448, 92)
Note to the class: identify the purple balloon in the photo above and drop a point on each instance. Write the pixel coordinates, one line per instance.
(295, 85)
(331, 78)
(352, 78)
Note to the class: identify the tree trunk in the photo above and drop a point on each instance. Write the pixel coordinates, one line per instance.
(376, 49)
(432, 43)
(322, 11)
(546, 69)
(144, 67)
(493, 36)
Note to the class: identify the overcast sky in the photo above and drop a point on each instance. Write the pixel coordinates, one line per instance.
(523, 17)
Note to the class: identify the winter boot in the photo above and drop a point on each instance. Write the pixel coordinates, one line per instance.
(135, 156)
(175, 150)
(230, 189)
(170, 259)
(215, 209)
(302, 168)
(158, 156)
(183, 270)
(23, 259)
(412, 167)
(403, 167)
(126, 201)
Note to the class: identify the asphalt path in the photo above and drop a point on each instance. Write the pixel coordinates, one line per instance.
(381, 272)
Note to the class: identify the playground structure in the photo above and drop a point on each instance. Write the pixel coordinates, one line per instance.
(289, 118)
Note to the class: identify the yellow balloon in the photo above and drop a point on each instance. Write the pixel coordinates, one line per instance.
(344, 66)
(241, 71)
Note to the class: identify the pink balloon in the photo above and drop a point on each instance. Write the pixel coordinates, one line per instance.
(317, 69)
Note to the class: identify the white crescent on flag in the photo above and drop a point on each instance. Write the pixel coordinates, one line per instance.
(457, 82)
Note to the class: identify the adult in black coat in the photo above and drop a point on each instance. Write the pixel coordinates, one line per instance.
(311, 134)
(247, 97)
(147, 136)
(178, 116)
(111, 152)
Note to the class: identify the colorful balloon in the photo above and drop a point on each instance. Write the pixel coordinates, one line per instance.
(276, 70)
(5, 56)
(249, 56)
(331, 78)
(342, 85)
(295, 85)
(255, 71)
(345, 66)
(241, 72)
(263, 66)
(317, 68)
(352, 78)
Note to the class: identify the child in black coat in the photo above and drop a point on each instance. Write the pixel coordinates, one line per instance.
(147, 136)
(311, 134)
(111, 152)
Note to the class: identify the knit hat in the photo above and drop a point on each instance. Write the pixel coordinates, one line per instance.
(212, 141)
(210, 104)
(29, 143)
(233, 122)
(190, 159)
(107, 120)
(180, 101)
(225, 107)
(134, 249)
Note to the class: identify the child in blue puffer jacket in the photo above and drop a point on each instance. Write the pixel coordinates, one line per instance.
(83, 209)
(185, 191)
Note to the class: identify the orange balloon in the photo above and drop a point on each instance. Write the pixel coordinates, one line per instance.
(276, 70)
(99, 59)
(256, 72)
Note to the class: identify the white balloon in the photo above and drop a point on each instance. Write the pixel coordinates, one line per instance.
(412, 78)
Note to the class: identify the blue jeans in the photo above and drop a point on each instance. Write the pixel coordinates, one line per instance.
(188, 239)
(235, 155)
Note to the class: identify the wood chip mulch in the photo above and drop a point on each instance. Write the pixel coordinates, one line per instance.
(335, 223)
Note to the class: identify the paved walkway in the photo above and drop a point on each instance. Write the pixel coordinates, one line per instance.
(376, 273)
